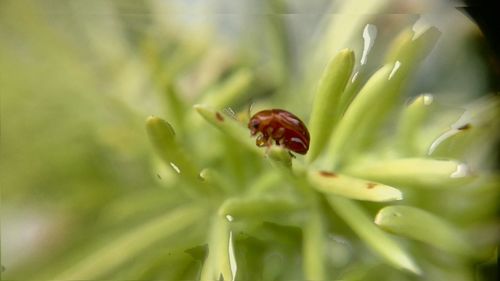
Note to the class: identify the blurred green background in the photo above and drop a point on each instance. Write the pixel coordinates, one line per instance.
(79, 78)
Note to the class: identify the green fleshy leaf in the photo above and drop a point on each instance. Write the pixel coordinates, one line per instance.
(175, 107)
(129, 244)
(280, 155)
(217, 180)
(326, 102)
(220, 263)
(361, 74)
(130, 207)
(278, 37)
(453, 142)
(376, 99)
(149, 265)
(265, 182)
(378, 92)
(229, 126)
(162, 135)
(471, 132)
(230, 90)
(422, 226)
(184, 56)
(350, 187)
(400, 46)
(414, 172)
(164, 77)
(410, 123)
(351, 90)
(314, 247)
(258, 207)
(409, 49)
(373, 236)
(342, 29)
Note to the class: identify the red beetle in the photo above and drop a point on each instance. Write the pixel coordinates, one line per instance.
(281, 126)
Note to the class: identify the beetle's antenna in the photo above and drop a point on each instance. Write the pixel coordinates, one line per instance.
(250, 106)
(230, 112)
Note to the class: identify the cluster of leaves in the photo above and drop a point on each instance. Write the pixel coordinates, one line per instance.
(345, 162)
(224, 209)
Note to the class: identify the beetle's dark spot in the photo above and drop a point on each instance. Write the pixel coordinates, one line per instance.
(370, 185)
(219, 116)
(328, 174)
(464, 127)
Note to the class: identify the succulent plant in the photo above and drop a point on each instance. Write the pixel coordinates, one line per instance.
(392, 188)
(340, 166)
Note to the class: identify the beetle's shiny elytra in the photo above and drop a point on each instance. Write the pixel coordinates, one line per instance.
(279, 126)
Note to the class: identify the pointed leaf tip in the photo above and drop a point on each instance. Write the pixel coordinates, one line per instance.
(160, 132)
(162, 136)
(327, 100)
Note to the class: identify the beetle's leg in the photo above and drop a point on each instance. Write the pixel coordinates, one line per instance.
(261, 140)
(278, 134)
(269, 131)
(269, 142)
(280, 141)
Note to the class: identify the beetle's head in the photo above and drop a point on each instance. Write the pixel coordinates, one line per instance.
(253, 125)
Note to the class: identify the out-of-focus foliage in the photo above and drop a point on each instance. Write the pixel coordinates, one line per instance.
(401, 184)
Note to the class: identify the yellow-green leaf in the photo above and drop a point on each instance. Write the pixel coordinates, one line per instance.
(358, 121)
(258, 207)
(162, 136)
(423, 226)
(229, 126)
(229, 91)
(410, 124)
(314, 247)
(351, 187)
(326, 101)
(129, 244)
(414, 172)
(373, 236)
(220, 263)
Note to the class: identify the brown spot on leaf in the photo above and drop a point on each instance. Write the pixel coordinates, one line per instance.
(219, 116)
(464, 127)
(370, 185)
(328, 174)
